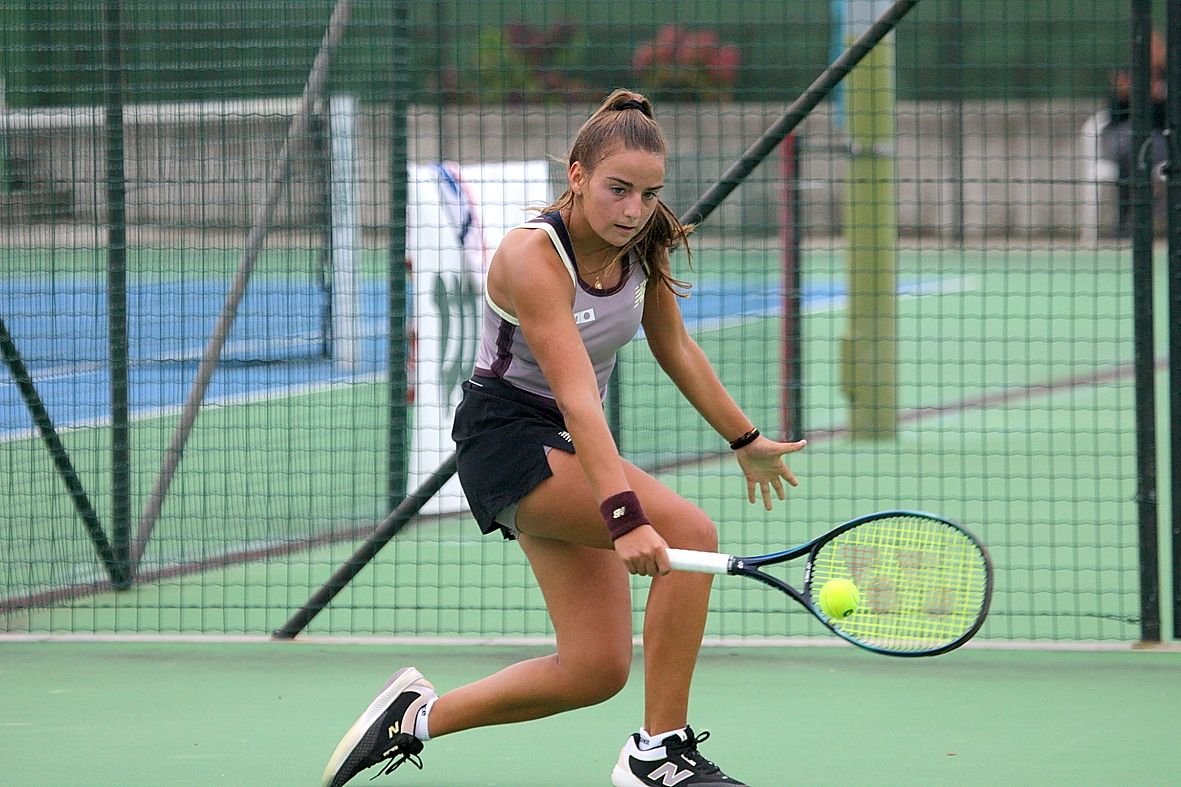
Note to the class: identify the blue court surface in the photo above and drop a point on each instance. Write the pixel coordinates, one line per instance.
(276, 345)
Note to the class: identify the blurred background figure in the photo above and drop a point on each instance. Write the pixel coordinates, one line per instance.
(1117, 137)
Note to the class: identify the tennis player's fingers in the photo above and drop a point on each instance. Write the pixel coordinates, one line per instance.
(766, 487)
(663, 565)
(650, 567)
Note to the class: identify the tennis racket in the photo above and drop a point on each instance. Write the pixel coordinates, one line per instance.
(923, 582)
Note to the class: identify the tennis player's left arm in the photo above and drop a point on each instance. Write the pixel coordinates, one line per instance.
(683, 360)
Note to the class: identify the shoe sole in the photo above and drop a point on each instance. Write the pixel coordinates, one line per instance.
(621, 777)
(401, 680)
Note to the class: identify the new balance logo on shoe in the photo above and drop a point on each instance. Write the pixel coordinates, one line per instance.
(673, 762)
(669, 775)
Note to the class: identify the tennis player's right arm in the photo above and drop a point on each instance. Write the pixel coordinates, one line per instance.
(529, 279)
(537, 287)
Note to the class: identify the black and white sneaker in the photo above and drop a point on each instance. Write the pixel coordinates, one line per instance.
(385, 731)
(674, 763)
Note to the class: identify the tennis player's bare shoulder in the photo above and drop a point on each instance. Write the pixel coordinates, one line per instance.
(528, 253)
(524, 259)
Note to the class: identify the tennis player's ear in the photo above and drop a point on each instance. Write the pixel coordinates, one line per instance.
(576, 175)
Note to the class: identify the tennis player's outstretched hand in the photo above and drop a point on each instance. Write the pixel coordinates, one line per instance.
(762, 464)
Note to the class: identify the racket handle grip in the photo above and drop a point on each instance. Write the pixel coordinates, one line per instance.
(699, 562)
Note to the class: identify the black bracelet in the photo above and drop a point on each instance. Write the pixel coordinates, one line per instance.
(745, 440)
(622, 513)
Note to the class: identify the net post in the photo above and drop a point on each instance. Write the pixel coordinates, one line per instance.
(1173, 195)
(1145, 362)
(117, 325)
(791, 404)
(397, 329)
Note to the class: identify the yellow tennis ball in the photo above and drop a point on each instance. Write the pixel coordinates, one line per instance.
(839, 598)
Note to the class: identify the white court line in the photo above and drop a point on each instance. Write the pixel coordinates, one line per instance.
(1083, 646)
(831, 303)
(149, 413)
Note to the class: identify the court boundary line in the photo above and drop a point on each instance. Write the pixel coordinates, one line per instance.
(158, 412)
(801, 642)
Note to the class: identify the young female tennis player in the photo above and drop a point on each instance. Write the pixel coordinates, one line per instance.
(564, 293)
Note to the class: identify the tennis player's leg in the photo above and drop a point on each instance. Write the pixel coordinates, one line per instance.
(563, 507)
(587, 595)
(678, 604)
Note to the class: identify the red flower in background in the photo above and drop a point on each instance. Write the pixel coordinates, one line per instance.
(681, 62)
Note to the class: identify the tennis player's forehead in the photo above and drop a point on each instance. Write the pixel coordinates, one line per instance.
(641, 168)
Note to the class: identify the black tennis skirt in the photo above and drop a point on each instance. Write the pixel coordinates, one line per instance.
(501, 434)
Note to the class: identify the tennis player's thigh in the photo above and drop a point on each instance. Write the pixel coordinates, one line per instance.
(588, 595)
(563, 507)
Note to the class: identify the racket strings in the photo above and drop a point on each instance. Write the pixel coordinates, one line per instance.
(922, 583)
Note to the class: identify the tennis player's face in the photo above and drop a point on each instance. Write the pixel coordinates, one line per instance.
(620, 194)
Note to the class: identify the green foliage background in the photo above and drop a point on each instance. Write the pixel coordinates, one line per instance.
(52, 52)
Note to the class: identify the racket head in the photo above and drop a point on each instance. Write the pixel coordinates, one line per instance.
(925, 582)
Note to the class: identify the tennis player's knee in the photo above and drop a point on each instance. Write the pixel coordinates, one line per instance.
(697, 531)
(601, 677)
(608, 682)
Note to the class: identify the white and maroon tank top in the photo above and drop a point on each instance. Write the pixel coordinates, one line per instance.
(607, 319)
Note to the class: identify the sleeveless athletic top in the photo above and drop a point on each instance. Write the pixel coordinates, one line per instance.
(607, 319)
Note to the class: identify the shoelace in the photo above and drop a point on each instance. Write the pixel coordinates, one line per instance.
(689, 746)
(406, 751)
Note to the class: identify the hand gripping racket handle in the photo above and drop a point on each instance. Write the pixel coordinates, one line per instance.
(699, 562)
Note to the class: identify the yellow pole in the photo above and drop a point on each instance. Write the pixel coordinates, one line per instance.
(869, 348)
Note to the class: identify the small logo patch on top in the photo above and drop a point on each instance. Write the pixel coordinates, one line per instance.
(584, 316)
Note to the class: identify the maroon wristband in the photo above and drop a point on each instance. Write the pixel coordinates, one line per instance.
(622, 513)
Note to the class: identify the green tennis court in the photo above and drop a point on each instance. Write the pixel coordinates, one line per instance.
(261, 714)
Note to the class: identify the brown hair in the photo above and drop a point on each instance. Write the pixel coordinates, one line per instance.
(624, 121)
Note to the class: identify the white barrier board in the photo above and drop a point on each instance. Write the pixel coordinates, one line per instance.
(456, 216)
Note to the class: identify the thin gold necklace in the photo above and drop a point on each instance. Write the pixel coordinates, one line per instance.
(599, 273)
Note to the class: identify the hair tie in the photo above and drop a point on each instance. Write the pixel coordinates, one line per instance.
(631, 103)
